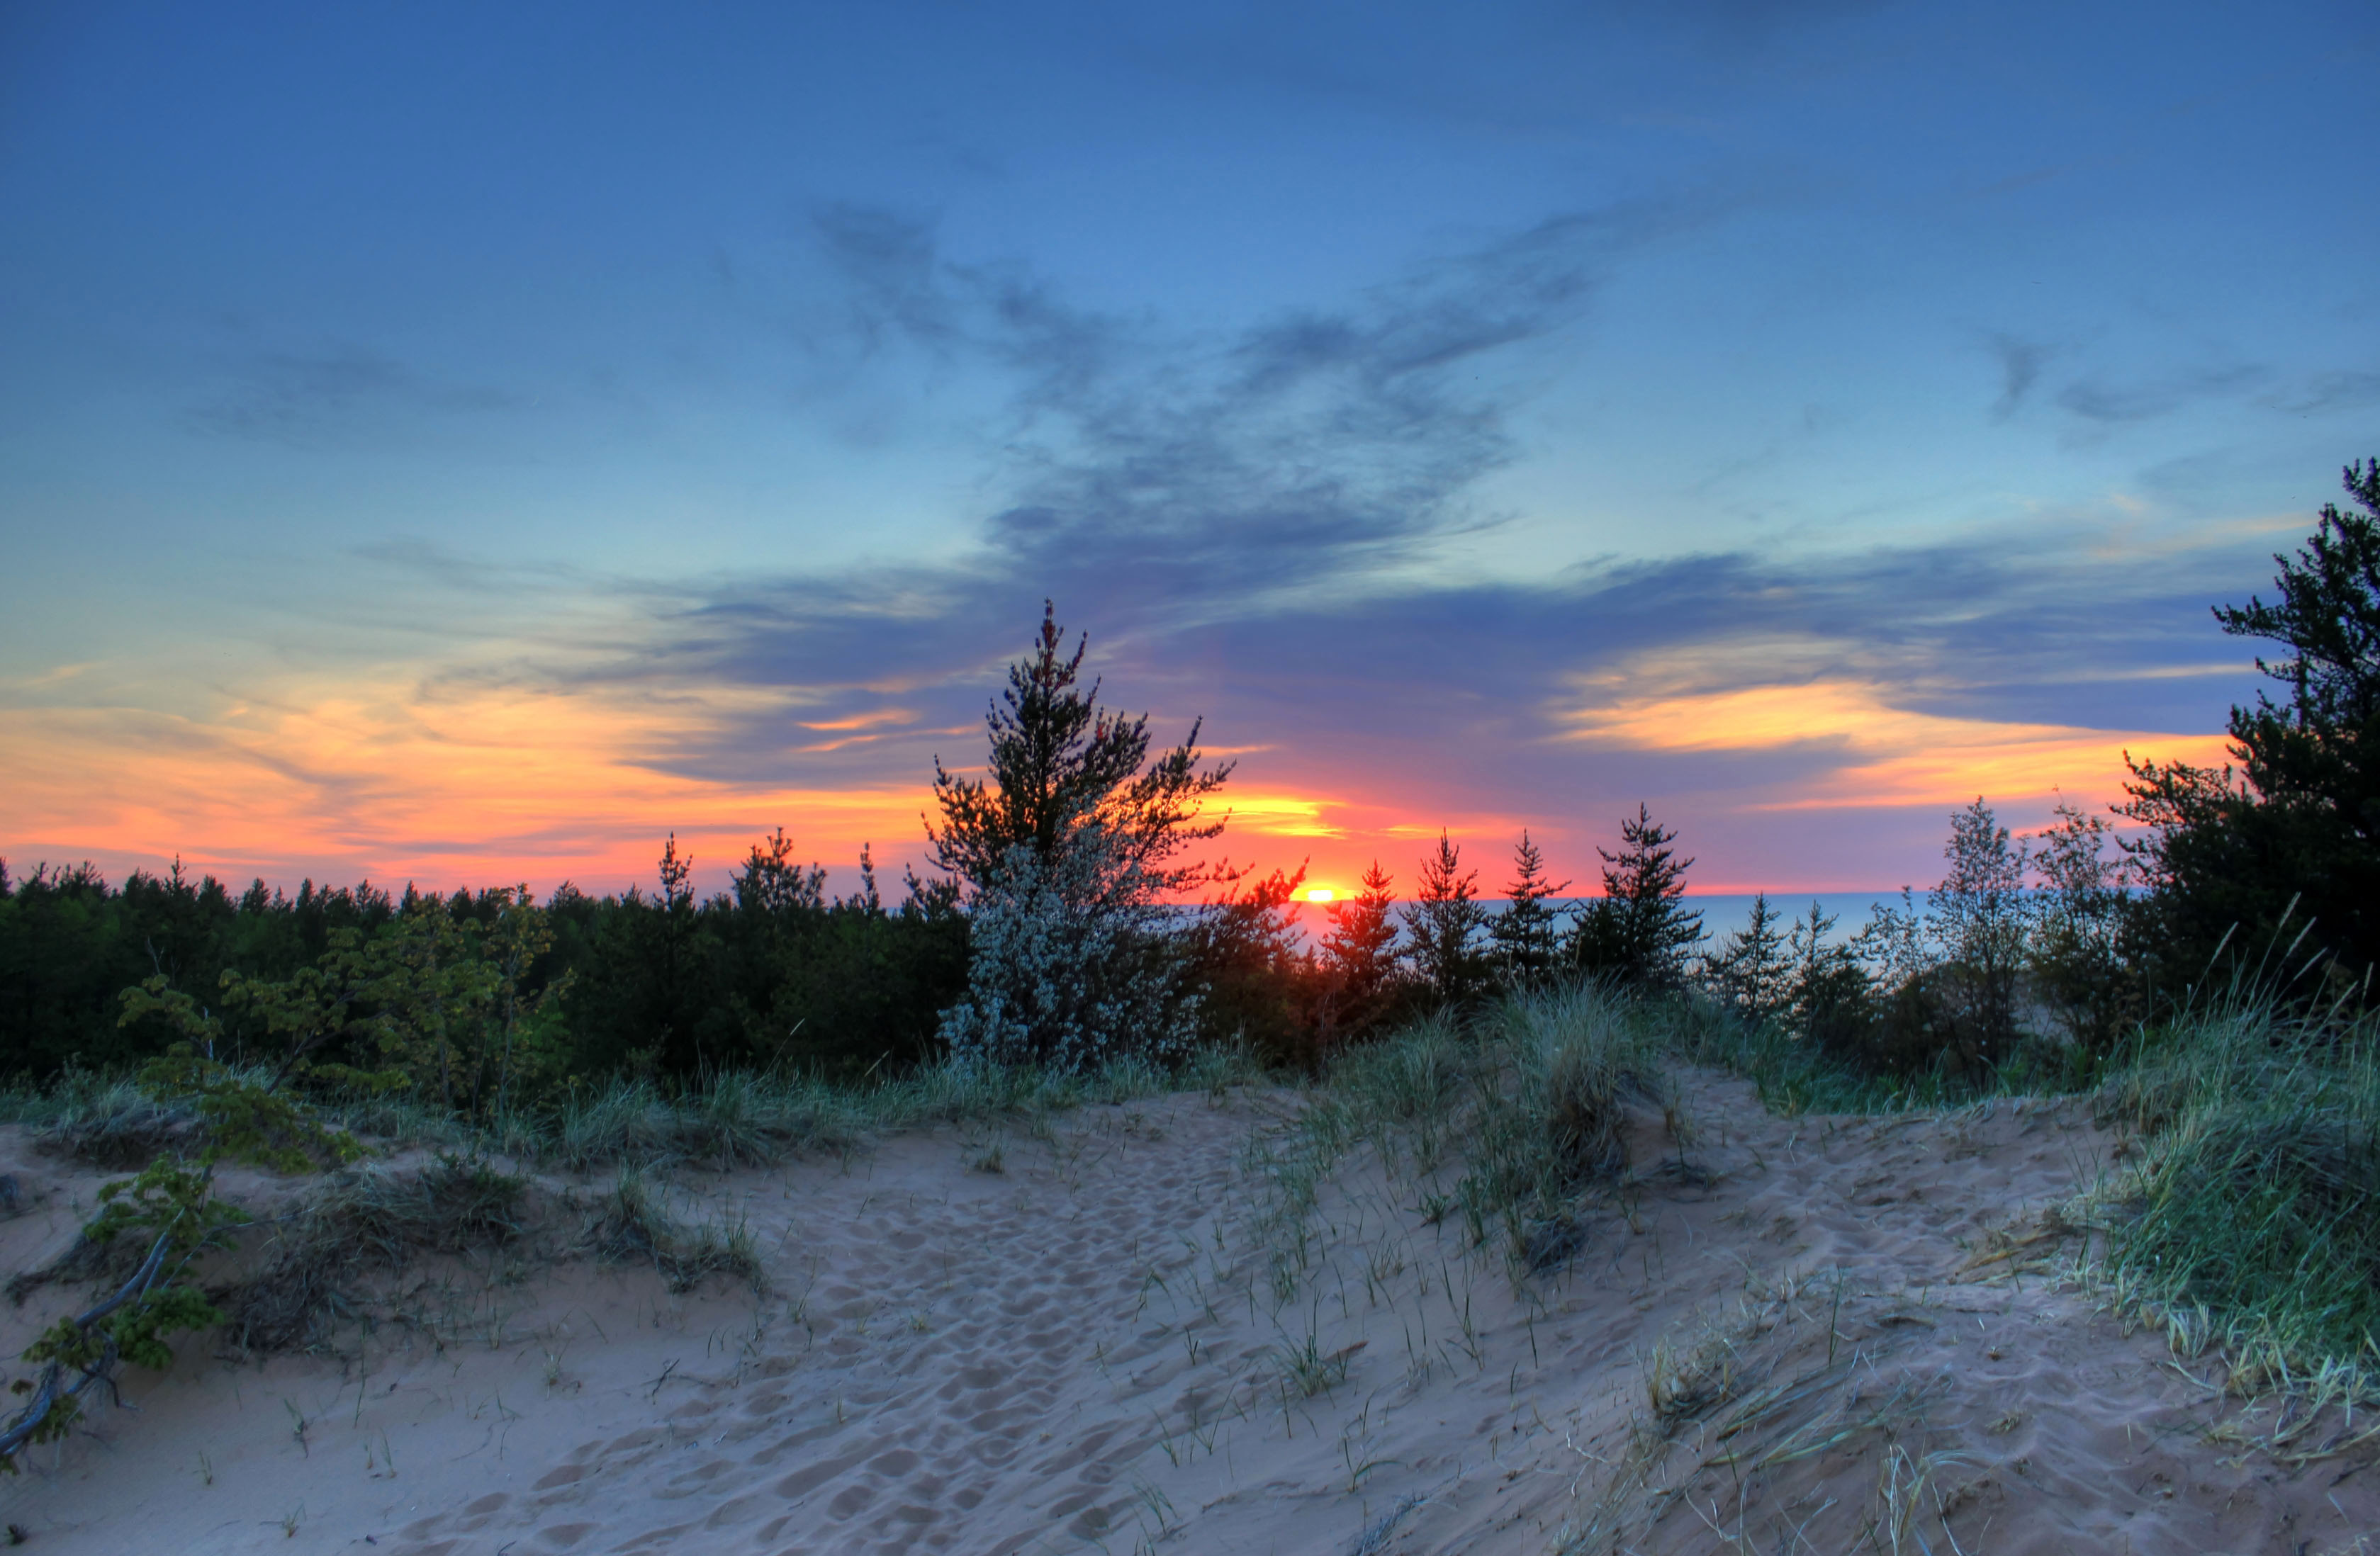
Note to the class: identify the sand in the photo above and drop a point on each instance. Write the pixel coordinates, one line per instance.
(1791, 1334)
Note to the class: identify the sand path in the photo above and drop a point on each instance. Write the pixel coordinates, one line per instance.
(1786, 1344)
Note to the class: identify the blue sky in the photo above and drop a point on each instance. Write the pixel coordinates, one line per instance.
(464, 443)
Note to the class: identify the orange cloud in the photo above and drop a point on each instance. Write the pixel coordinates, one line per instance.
(471, 788)
(1282, 815)
(1890, 756)
(864, 720)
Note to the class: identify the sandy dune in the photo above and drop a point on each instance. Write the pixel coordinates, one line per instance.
(1792, 1336)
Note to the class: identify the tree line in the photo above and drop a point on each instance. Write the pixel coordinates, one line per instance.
(1069, 921)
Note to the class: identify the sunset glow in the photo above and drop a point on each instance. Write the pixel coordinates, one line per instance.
(1476, 435)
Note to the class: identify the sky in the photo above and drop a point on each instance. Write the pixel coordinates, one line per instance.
(464, 443)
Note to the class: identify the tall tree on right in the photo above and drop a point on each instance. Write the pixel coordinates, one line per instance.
(2300, 819)
(1638, 933)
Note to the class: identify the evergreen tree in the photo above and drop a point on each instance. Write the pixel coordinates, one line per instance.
(1527, 934)
(1059, 764)
(1069, 847)
(1443, 924)
(1072, 963)
(1638, 933)
(1751, 969)
(2299, 821)
(1827, 992)
(1359, 958)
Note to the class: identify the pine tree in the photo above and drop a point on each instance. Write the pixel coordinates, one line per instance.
(2298, 826)
(1060, 763)
(1826, 992)
(1527, 934)
(1443, 925)
(1069, 848)
(1637, 932)
(1359, 958)
(1751, 969)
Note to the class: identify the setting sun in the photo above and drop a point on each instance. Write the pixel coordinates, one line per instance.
(1319, 894)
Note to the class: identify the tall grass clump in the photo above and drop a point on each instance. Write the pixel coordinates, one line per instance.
(635, 1223)
(2254, 1214)
(1793, 1073)
(1571, 1064)
(361, 1219)
(1533, 1100)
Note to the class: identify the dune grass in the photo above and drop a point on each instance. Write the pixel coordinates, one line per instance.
(633, 1222)
(359, 1219)
(1526, 1105)
(2249, 1218)
(2252, 1219)
(736, 1119)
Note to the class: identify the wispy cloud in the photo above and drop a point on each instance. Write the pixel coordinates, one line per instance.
(305, 397)
(2324, 392)
(2020, 364)
(2106, 403)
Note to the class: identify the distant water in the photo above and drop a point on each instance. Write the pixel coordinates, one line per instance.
(1725, 914)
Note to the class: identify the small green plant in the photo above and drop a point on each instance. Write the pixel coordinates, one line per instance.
(175, 1205)
(634, 1224)
(170, 1204)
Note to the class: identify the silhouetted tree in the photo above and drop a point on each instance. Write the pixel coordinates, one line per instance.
(1527, 934)
(1443, 926)
(1750, 970)
(1828, 992)
(2301, 818)
(1981, 921)
(1359, 960)
(1254, 978)
(1638, 933)
(1060, 763)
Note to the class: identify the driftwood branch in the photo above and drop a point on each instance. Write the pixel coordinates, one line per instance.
(53, 1389)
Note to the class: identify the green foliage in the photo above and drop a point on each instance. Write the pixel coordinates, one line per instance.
(1059, 762)
(1638, 933)
(473, 1005)
(172, 1208)
(1527, 934)
(245, 1121)
(2299, 823)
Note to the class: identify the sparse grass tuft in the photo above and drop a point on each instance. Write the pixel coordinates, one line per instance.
(634, 1224)
(361, 1219)
(106, 1121)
